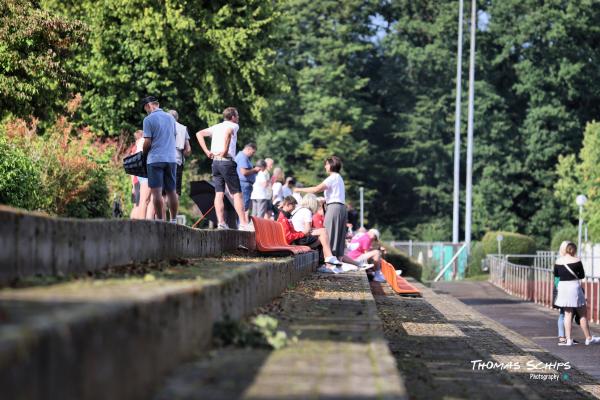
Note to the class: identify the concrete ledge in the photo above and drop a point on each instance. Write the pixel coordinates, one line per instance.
(35, 244)
(87, 344)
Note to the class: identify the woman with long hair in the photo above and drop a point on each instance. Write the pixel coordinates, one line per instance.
(570, 294)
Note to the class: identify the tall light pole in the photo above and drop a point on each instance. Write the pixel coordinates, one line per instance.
(362, 207)
(469, 188)
(580, 200)
(457, 109)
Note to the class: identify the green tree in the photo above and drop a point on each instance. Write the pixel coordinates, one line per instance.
(196, 57)
(35, 77)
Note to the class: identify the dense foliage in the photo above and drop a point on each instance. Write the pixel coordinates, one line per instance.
(370, 80)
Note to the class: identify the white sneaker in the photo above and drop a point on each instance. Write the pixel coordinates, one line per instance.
(378, 277)
(332, 260)
(365, 267)
(568, 342)
(338, 270)
(592, 340)
(349, 267)
(398, 272)
(249, 227)
(223, 226)
(326, 270)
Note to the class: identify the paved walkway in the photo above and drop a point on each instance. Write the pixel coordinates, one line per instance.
(529, 319)
(437, 341)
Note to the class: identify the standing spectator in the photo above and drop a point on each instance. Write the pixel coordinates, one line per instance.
(335, 198)
(270, 163)
(246, 172)
(259, 194)
(222, 152)
(352, 218)
(182, 144)
(570, 295)
(159, 145)
(288, 187)
(276, 187)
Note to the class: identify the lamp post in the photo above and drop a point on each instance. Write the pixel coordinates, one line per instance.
(500, 238)
(580, 200)
(457, 109)
(362, 207)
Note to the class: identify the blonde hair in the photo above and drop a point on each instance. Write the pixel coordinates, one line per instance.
(562, 250)
(310, 201)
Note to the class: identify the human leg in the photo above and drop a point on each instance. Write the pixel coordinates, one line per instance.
(232, 180)
(220, 207)
(145, 198)
(568, 322)
(238, 204)
(170, 186)
(561, 323)
(155, 182)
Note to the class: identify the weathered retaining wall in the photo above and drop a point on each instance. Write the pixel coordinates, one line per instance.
(35, 244)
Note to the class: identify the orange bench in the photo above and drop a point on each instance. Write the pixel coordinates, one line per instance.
(271, 239)
(399, 284)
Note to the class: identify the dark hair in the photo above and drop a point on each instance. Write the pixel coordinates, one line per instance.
(335, 163)
(289, 200)
(229, 113)
(251, 145)
(261, 164)
(571, 249)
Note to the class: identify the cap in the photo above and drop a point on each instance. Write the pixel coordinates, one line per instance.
(148, 99)
(375, 232)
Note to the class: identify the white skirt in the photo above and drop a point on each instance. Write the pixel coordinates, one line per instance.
(570, 294)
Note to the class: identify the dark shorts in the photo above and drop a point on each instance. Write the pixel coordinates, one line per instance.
(162, 175)
(310, 241)
(179, 179)
(225, 173)
(246, 192)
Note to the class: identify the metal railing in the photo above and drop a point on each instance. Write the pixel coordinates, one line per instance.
(435, 256)
(536, 282)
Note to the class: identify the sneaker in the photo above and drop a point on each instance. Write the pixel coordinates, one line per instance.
(326, 270)
(592, 340)
(249, 227)
(567, 342)
(332, 260)
(365, 267)
(348, 267)
(398, 272)
(338, 270)
(378, 277)
(223, 226)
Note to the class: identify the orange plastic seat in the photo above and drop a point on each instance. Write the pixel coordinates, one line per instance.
(398, 284)
(270, 238)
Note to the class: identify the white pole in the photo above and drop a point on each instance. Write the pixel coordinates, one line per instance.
(469, 188)
(579, 233)
(456, 210)
(362, 207)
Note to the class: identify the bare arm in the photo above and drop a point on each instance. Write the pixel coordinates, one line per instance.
(200, 135)
(147, 145)
(249, 171)
(307, 228)
(313, 189)
(187, 150)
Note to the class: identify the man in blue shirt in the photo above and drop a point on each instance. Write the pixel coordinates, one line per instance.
(246, 172)
(159, 146)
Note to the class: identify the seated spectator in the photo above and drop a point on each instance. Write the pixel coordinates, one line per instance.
(318, 220)
(315, 239)
(361, 250)
(259, 194)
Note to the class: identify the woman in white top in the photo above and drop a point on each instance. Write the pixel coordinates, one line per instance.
(259, 195)
(570, 295)
(335, 198)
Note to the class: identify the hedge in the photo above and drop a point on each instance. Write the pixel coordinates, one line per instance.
(400, 260)
(567, 233)
(513, 243)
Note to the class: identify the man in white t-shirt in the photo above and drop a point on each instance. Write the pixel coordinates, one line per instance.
(182, 144)
(222, 152)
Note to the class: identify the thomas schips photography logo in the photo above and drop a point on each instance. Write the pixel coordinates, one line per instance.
(537, 370)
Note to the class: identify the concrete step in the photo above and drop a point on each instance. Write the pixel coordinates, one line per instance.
(339, 351)
(114, 338)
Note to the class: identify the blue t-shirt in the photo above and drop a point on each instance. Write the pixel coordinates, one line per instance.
(243, 161)
(160, 127)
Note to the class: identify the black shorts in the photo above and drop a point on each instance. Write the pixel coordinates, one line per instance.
(224, 173)
(178, 179)
(310, 241)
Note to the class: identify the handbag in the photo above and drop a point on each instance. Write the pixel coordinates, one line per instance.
(135, 164)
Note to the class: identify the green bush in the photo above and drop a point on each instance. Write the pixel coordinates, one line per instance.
(19, 177)
(402, 261)
(93, 202)
(513, 243)
(475, 259)
(567, 233)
